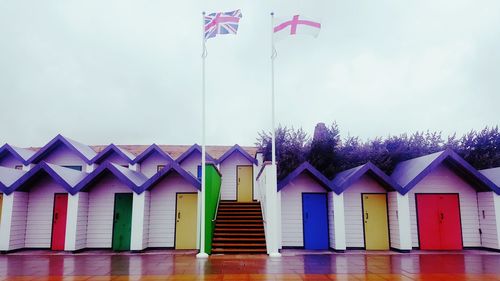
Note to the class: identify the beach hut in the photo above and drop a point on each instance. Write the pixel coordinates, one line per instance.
(172, 207)
(369, 208)
(152, 160)
(304, 209)
(190, 160)
(442, 190)
(38, 207)
(14, 157)
(489, 211)
(65, 152)
(105, 208)
(237, 168)
(114, 154)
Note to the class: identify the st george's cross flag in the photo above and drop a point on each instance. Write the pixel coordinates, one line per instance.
(222, 23)
(296, 25)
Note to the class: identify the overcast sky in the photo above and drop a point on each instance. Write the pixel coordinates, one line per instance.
(129, 72)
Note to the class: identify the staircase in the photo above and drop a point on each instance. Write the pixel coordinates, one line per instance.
(239, 229)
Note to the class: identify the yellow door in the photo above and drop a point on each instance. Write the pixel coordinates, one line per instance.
(185, 220)
(245, 183)
(375, 221)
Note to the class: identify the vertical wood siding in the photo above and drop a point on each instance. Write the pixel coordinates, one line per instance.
(82, 217)
(488, 223)
(145, 225)
(445, 180)
(331, 225)
(64, 156)
(392, 202)
(101, 208)
(18, 223)
(291, 209)
(191, 163)
(10, 162)
(162, 210)
(149, 165)
(353, 209)
(40, 213)
(229, 171)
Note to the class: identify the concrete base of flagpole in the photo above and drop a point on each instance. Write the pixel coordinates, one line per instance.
(202, 256)
(275, 255)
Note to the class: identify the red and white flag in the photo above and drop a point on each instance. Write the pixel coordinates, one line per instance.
(296, 25)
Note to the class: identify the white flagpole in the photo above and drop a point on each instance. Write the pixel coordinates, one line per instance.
(202, 253)
(273, 56)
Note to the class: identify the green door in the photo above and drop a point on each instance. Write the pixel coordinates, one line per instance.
(122, 223)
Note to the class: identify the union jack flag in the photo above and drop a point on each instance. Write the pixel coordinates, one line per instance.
(222, 23)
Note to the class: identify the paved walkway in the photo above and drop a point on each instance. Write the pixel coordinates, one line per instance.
(294, 265)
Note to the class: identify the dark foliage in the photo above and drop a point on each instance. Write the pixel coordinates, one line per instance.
(330, 154)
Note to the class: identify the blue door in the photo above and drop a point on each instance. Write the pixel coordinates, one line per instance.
(314, 216)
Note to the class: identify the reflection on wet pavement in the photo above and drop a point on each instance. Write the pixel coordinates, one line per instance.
(161, 266)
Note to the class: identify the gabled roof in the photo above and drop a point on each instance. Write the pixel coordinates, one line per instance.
(493, 175)
(237, 149)
(151, 150)
(171, 168)
(82, 150)
(193, 149)
(109, 150)
(345, 179)
(408, 173)
(66, 177)
(132, 179)
(310, 170)
(8, 177)
(21, 154)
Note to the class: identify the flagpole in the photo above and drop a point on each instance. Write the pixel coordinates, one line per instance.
(202, 253)
(272, 211)
(273, 56)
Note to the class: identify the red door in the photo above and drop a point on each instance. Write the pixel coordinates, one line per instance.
(59, 221)
(439, 225)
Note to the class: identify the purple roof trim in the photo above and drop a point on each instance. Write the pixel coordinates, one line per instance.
(345, 179)
(20, 154)
(420, 167)
(493, 175)
(8, 177)
(134, 180)
(172, 167)
(194, 148)
(305, 168)
(66, 177)
(237, 148)
(151, 150)
(110, 149)
(82, 150)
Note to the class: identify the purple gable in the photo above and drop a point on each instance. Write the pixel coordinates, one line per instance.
(408, 173)
(193, 149)
(8, 177)
(493, 175)
(113, 149)
(237, 149)
(21, 154)
(310, 170)
(83, 151)
(133, 180)
(345, 179)
(171, 168)
(150, 151)
(67, 178)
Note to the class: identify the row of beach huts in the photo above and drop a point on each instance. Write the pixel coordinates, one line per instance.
(68, 196)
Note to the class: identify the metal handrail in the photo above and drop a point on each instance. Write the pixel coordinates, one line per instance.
(217, 208)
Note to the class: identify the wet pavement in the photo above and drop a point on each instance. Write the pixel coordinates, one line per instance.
(165, 265)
